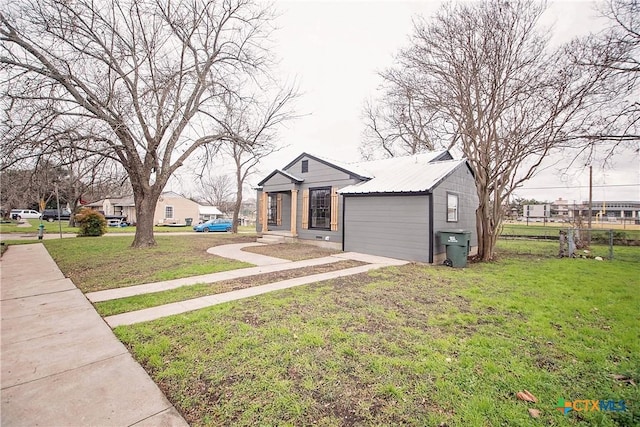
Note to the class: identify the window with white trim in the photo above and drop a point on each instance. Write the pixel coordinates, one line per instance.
(168, 212)
(452, 207)
(320, 208)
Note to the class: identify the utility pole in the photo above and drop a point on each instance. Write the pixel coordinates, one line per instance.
(58, 206)
(590, 201)
(590, 192)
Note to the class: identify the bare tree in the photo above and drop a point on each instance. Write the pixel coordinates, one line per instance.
(616, 49)
(400, 126)
(257, 122)
(147, 81)
(15, 190)
(84, 172)
(217, 190)
(484, 75)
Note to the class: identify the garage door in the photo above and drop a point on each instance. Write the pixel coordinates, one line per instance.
(391, 226)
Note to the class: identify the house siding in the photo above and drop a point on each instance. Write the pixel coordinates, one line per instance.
(391, 226)
(182, 208)
(460, 182)
(320, 175)
(278, 182)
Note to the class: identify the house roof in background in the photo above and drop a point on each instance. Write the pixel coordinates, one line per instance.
(115, 201)
(171, 194)
(374, 168)
(208, 210)
(414, 174)
(123, 201)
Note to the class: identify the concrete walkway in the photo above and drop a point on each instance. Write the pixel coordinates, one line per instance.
(154, 313)
(61, 364)
(269, 264)
(234, 251)
(147, 288)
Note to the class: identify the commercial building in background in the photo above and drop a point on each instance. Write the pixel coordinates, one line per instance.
(607, 210)
(565, 211)
(537, 213)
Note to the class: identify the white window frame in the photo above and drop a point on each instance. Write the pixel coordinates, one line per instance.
(453, 205)
(316, 205)
(168, 212)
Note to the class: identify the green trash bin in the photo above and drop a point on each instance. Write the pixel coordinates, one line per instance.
(458, 245)
(188, 221)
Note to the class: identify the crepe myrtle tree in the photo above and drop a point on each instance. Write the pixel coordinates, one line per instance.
(486, 83)
(616, 49)
(147, 80)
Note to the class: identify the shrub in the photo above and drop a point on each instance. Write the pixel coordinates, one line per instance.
(91, 223)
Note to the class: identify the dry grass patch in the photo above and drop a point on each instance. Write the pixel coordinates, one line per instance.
(292, 251)
(139, 302)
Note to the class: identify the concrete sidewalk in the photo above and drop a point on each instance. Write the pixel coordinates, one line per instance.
(61, 364)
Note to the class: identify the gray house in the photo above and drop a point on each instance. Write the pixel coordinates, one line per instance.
(391, 207)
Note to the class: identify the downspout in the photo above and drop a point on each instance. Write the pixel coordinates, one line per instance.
(344, 209)
(431, 235)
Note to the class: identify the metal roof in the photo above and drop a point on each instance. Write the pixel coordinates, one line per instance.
(208, 210)
(281, 172)
(413, 174)
(370, 168)
(373, 168)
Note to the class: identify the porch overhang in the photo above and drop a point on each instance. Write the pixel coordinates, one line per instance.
(264, 209)
(292, 178)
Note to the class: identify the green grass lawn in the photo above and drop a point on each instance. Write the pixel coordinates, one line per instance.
(412, 345)
(55, 227)
(109, 262)
(599, 232)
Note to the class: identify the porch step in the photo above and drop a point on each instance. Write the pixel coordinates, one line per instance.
(271, 239)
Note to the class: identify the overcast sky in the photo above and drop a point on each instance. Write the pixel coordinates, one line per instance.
(335, 48)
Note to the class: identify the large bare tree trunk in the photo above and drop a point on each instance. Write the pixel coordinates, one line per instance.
(485, 225)
(145, 208)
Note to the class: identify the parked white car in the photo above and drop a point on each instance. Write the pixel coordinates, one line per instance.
(25, 214)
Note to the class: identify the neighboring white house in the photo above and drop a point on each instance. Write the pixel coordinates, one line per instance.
(121, 206)
(209, 212)
(172, 208)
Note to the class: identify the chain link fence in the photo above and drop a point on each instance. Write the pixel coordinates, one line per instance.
(577, 242)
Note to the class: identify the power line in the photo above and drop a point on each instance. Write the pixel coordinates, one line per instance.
(580, 186)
